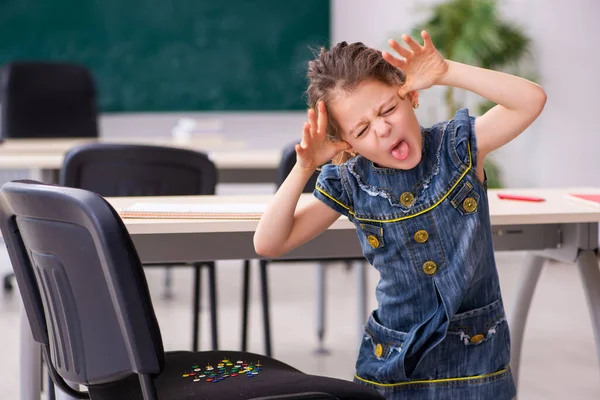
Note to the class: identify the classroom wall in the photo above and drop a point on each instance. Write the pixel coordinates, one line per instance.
(559, 149)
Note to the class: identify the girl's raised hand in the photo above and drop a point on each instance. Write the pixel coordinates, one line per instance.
(316, 149)
(423, 65)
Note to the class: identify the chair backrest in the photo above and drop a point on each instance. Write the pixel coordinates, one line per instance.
(47, 100)
(82, 283)
(288, 160)
(138, 170)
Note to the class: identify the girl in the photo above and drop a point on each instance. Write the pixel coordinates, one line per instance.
(418, 199)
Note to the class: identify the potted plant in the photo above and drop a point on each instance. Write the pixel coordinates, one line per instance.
(473, 32)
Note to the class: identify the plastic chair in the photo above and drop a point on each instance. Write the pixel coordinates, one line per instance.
(46, 100)
(88, 305)
(288, 160)
(141, 170)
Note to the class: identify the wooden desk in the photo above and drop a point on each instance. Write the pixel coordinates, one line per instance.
(559, 228)
(235, 163)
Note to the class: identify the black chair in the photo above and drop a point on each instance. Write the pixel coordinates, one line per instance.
(88, 305)
(141, 170)
(46, 100)
(288, 160)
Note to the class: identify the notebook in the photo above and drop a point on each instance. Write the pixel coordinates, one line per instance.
(587, 198)
(193, 211)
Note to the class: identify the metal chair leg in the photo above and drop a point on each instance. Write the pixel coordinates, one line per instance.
(265, 304)
(196, 307)
(245, 304)
(212, 289)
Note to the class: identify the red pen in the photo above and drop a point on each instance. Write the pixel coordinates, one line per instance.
(504, 196)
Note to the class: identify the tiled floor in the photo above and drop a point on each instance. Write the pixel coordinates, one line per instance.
(559, 358)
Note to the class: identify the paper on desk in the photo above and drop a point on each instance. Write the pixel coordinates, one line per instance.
(592, 199)
(193, 211)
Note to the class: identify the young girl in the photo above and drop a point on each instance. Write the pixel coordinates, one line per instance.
(418, 199)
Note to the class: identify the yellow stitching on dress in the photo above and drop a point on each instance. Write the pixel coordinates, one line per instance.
(408, 216)
(432, 380)
(331, 197)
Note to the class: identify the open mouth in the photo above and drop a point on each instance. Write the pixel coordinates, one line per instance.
(401, 150)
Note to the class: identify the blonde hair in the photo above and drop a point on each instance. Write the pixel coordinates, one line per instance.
(342, 69)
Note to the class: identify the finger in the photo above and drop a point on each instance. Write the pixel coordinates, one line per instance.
(416, 47)
(403, 51)
(395, 61)
(342, 146)
(322, 119)
(305, 135)
(312, 120)
(428, 43)
(404, 90)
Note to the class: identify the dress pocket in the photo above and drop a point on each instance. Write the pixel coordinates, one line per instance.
(477, 343)
(466, 200)
(372, 235)
(381, 357)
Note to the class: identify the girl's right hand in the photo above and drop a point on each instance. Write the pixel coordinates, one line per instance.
(316, 149)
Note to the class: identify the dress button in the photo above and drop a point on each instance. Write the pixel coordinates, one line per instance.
(373, 241)
(378, 350)
(429, 267)
(477, 338)
(421, 236)
(407, 198)
(470, 204)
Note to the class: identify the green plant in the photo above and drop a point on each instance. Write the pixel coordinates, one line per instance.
(472, 32)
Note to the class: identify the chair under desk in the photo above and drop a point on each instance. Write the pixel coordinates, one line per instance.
(559, 228)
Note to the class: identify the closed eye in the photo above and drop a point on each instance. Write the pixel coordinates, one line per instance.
(389, 110)
(363, 130)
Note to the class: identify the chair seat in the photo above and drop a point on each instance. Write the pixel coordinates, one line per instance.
(273, 378)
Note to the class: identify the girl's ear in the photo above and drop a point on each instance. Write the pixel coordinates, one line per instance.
(414, 98)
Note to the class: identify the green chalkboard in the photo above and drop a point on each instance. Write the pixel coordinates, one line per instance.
(175, 55)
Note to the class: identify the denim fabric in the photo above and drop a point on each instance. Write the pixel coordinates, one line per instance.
(440, 330)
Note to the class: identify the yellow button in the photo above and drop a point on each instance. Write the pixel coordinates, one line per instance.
(373, 241)
(421, 236)
(477, 338)
(378, 350)
(429, 267)
(470, 204)
(407, 198)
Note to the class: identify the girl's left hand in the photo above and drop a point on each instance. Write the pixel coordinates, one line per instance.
(423, 65)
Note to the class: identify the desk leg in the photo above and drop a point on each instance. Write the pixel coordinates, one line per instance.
(321, 288)
(30, 356)
(533, 268)
(587, 262)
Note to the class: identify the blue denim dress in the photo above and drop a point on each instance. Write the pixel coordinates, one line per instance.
(440, 331)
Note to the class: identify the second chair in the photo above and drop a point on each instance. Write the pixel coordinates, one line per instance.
(141, 170)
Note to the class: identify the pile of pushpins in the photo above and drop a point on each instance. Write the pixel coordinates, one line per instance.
(225, 369)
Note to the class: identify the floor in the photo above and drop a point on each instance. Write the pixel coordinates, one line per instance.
(559, 358)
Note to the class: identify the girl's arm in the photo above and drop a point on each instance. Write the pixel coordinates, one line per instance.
(284, 226)
(519, 100)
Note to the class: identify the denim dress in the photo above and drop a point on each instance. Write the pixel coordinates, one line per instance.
(440, 331)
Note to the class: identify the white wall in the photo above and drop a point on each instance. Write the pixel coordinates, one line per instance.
(559, 149)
